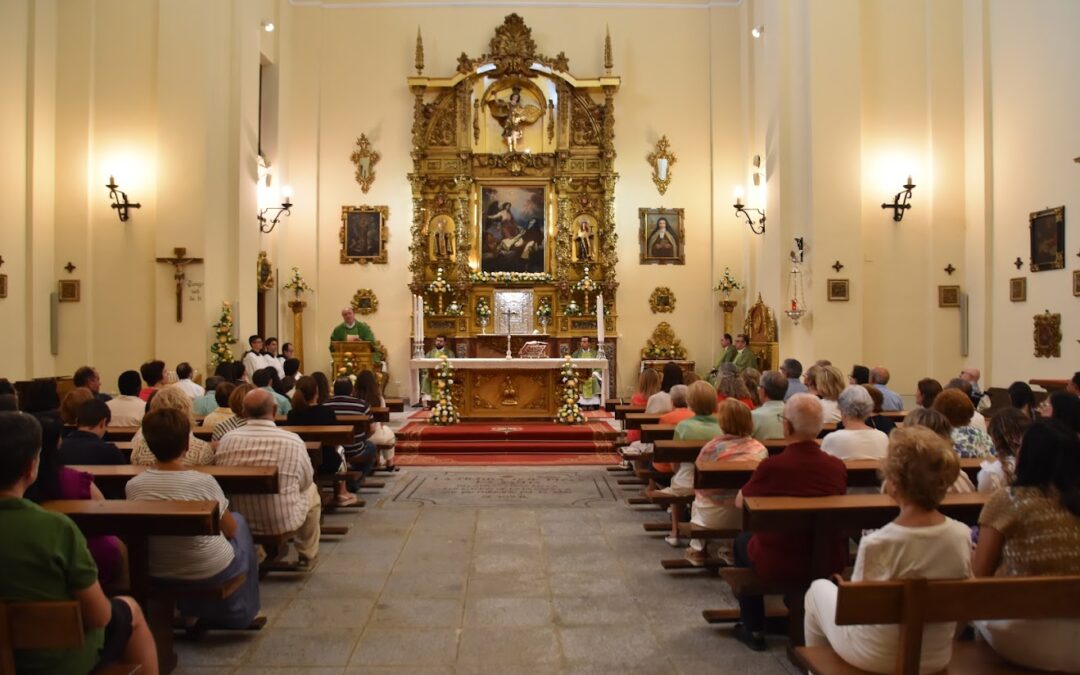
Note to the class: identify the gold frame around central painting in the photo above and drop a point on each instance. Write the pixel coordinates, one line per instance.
(480, 216)
(357, 254)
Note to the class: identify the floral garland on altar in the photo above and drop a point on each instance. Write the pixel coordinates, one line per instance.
(510, 277)
(444, 413)
(220, 352)
(675, 351)
(569, 412)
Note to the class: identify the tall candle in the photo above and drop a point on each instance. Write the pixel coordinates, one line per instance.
(421, 319)
(600, 319)
(416, 317)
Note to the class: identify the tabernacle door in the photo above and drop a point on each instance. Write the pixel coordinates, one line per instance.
(513, 312)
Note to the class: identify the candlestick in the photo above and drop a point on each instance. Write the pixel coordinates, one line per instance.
(421, 320)
(600, 318)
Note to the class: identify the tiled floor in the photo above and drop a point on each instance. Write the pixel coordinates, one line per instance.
(426, 588)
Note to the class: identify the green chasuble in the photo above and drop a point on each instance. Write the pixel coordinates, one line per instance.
(425, 379)
(360, 330)
(590, 386)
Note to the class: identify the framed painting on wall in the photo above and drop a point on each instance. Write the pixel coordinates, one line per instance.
(1047, 239)
(662, 237)
(1076, 283)
(70, 290)
(513, 226)
(839, 290)
(3, 285)
(1018, 289)
(948, 296)
(363, 234)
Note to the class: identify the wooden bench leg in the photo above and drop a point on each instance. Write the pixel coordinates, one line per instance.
(159, 617)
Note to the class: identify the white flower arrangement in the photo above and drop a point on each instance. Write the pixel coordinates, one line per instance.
(569, 412)
(572, 309)
(727, 283)
(510, 277)
(585, 283)
(439, 284)
(444, 412)
(297, 285)
(483, 310)
(543, 312)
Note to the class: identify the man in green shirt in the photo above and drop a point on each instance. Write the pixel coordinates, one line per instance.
(45, 558)
(727, 357)
(744, 356)
(351, 330)
(590, 387)
(438, 351)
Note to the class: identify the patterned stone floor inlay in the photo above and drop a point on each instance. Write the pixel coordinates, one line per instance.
(508, 487)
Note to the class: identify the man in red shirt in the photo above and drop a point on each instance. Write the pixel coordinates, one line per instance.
(801, 470)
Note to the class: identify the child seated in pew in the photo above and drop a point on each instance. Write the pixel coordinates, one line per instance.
(172, 397)
(801, 470)
(1006, 429)
(56, 481)
(196, 561)
(236, 407)
(1032, 528)
(367, 390)
(701, 399)
(715, 509)
(45, 558)
(920, 543)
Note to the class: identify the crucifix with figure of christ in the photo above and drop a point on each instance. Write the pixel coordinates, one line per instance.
(179, 261)
(509, 313)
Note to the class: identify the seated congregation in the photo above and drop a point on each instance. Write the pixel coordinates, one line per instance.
(233, 481)
(983, 491)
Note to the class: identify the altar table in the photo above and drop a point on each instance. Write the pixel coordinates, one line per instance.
(501, 388)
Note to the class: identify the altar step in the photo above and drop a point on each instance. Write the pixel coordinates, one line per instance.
(507, 437)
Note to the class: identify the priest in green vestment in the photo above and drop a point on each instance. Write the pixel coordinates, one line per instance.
(351, 330)
(727, 357)
(438, 351)
(590, 387)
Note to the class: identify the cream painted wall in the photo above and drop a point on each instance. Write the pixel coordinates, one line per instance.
(1035, 96)
(838, 98)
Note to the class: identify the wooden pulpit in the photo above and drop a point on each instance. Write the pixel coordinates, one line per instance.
(358, 353)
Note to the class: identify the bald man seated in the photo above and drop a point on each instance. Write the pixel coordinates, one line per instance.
(296, 507)
(879, 377)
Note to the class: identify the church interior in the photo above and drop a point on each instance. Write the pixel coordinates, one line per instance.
(579, 325)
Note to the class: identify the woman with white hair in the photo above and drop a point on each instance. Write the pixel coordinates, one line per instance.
(857, 440)
(173, 397)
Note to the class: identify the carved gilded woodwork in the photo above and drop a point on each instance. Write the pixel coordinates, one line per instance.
(461, 141)
(760, 327)
(663, 344)
(365, 302)
(365, 159)
(1047, 335)
(662, 300)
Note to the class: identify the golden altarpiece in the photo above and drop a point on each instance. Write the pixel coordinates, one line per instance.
(513, 189)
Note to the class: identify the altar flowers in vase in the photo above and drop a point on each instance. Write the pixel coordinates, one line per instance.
(569, 412)
(444, 412)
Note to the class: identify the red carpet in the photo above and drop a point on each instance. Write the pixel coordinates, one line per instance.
(525, 442)
(503, 459)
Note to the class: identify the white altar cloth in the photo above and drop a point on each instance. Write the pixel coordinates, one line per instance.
(416, 365)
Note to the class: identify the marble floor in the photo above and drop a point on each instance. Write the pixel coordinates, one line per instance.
(478, 571)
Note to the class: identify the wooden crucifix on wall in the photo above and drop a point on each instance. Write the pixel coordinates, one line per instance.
(179, 261)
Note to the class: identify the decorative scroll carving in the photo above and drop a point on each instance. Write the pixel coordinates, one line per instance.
(663, 344)
(512, 52)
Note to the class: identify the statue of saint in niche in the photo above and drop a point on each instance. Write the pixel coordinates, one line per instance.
(442, 239)
(514, 117)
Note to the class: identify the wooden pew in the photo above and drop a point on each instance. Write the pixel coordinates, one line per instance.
(395, 405)
(823, 518)
(913, 603)
(331, 434)
(635, 420)
(621, 411)
(232, 479)
(612, 403)
(120, 434)
(861, 473)
(135, 522)
(651, 433)
(46, 625)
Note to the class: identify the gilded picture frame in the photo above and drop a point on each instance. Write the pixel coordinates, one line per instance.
(948, 296)
(1047, 335)
(1018, 289)
(838, 290)
(662, 237)
(1076, 283)
(70, 290)
(662, 300)
(513, 226)
(3, 285)
(364, 234)
(365, 302)
(1047, 239)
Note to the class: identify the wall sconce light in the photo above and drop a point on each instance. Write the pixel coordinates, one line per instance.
(741, 210)
(661, 160)
(268, 26)
(120, 200)
(279, 211)
(758, 31)
(898, 206)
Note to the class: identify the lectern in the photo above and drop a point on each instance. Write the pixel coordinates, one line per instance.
(359, 353)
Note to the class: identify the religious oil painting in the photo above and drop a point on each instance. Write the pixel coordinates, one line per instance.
(512, 228)
(661, 237)
(1076, 283)
(948, 296)
(70, 290)
(1018, 289)
(363, 234)
(3, 285)
(1047, 239)
(839, 290)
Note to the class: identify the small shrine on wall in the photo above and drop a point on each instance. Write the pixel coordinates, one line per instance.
(513, 188)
